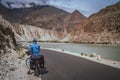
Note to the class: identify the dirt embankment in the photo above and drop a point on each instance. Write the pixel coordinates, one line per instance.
(13, 66)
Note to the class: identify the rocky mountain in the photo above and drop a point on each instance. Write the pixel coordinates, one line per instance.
(47, 18)
(74, 19)
(48, 23)
(101, 27)
(44, 17)
(7, 39)
(40, 16)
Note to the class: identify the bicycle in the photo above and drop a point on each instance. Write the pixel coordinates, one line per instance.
(38, 64)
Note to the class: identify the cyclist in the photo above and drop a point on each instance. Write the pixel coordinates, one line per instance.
(35, 54)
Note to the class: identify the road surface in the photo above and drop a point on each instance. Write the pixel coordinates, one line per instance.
(62, 66)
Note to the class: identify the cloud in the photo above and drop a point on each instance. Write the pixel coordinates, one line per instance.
(86, 7)
(18, 3)
(27, 1)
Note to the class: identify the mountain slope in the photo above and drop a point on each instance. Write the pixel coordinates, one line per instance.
(73, 20)
(7, 39)
(101, 27)
(27, 32)
(45, 18)
(41, 16)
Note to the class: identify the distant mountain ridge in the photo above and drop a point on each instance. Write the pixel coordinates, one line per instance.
(101, 27)
(108, 10)
(25, 12)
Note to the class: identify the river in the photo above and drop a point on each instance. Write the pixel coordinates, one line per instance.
(106, 51)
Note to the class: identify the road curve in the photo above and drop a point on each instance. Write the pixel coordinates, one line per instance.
(67, 67)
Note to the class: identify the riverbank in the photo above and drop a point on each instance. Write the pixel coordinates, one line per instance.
(56, 42)
(92, 57)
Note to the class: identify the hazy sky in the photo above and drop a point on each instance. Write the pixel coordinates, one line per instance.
(86, 7)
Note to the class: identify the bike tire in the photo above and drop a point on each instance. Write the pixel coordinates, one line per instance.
(37, 71)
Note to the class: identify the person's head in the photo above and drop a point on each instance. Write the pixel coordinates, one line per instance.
(34, 40)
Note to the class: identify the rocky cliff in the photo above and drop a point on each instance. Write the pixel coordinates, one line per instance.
(7, 40)
(27, 32)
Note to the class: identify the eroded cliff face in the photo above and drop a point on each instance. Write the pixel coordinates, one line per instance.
(27, 32)
(7, 40)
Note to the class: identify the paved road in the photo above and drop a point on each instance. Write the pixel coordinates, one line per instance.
(66, 67)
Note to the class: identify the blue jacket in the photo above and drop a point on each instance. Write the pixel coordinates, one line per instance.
(35, 49)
